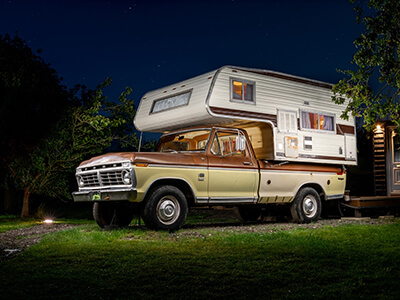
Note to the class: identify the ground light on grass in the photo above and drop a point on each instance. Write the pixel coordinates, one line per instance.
(344, 262)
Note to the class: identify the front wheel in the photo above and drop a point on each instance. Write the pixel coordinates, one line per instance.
(306, 207)
(165, 209)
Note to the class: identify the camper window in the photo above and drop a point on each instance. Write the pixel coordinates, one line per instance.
(171, 102)
(242, 91)
(317, 121)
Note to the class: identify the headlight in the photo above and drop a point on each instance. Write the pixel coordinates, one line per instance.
(126, 177)
(81, 183)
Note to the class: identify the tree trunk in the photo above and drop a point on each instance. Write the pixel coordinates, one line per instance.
(25, 204)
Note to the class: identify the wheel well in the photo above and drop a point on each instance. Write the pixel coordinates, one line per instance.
(178, 183)
(316, 187)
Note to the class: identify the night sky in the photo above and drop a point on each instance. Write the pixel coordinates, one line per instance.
(150, 44)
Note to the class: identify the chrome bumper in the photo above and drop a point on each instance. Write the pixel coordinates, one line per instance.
(105, 195)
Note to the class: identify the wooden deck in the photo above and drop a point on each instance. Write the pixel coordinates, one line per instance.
(372, 201)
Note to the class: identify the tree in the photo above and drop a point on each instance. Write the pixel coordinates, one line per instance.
(32, 97)
(373, 89)
(46, 130)
(86, 129)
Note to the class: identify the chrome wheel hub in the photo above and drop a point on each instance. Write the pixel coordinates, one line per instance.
(310, 206)
(168, 210)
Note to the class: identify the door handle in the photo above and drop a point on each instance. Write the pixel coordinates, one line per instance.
(246, 163)
(201, 177)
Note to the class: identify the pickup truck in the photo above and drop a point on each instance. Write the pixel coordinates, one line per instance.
(202, 166)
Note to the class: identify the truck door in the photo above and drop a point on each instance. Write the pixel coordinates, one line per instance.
(393, 159)
(233, 174)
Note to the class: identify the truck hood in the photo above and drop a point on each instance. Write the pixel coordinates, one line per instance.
(181, 158)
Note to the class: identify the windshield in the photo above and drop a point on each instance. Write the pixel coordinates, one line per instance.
(195, 140)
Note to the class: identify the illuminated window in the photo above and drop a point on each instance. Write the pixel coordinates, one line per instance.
(242, 91)
(317, 121)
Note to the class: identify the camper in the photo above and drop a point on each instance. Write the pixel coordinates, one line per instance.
(244, 138)
(290, 118)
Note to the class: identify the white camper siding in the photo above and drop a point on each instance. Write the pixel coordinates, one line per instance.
(192, 114)
(322, 145)
(278, 93)
(272, 94)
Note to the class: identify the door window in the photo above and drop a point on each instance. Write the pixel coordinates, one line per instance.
(396, 148)
(224, 143)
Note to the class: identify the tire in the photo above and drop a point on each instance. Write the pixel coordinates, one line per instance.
(248, 213)
(113, 213)
(306, 207)
(165, 209)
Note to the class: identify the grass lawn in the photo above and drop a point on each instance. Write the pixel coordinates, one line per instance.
(344, 262)
(13, 222)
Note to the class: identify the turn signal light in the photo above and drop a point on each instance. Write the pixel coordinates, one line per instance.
(141, 165)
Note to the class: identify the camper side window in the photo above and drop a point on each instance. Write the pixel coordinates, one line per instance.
(317, 121)
(242, 91)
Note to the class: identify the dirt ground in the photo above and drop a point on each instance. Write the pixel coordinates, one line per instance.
(14, 242)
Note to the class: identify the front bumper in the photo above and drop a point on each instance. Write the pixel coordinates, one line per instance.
(105, 195)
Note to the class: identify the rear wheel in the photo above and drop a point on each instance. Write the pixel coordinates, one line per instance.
(306, 207)
(113, 213)
(248, 213)
(165, 209)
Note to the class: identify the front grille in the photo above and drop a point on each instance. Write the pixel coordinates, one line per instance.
(111, 178)
(90, 180)
(103, 176)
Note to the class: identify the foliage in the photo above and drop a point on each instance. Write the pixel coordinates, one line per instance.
(47, 130)
(32, 97)
(346, 262)
(84, 130)
(378, 65)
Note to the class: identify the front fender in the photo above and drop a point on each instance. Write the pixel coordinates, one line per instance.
(194, 178)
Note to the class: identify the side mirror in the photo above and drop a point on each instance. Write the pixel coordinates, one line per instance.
(240, 143)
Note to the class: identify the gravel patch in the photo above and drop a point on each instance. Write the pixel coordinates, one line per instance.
(15, 241)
